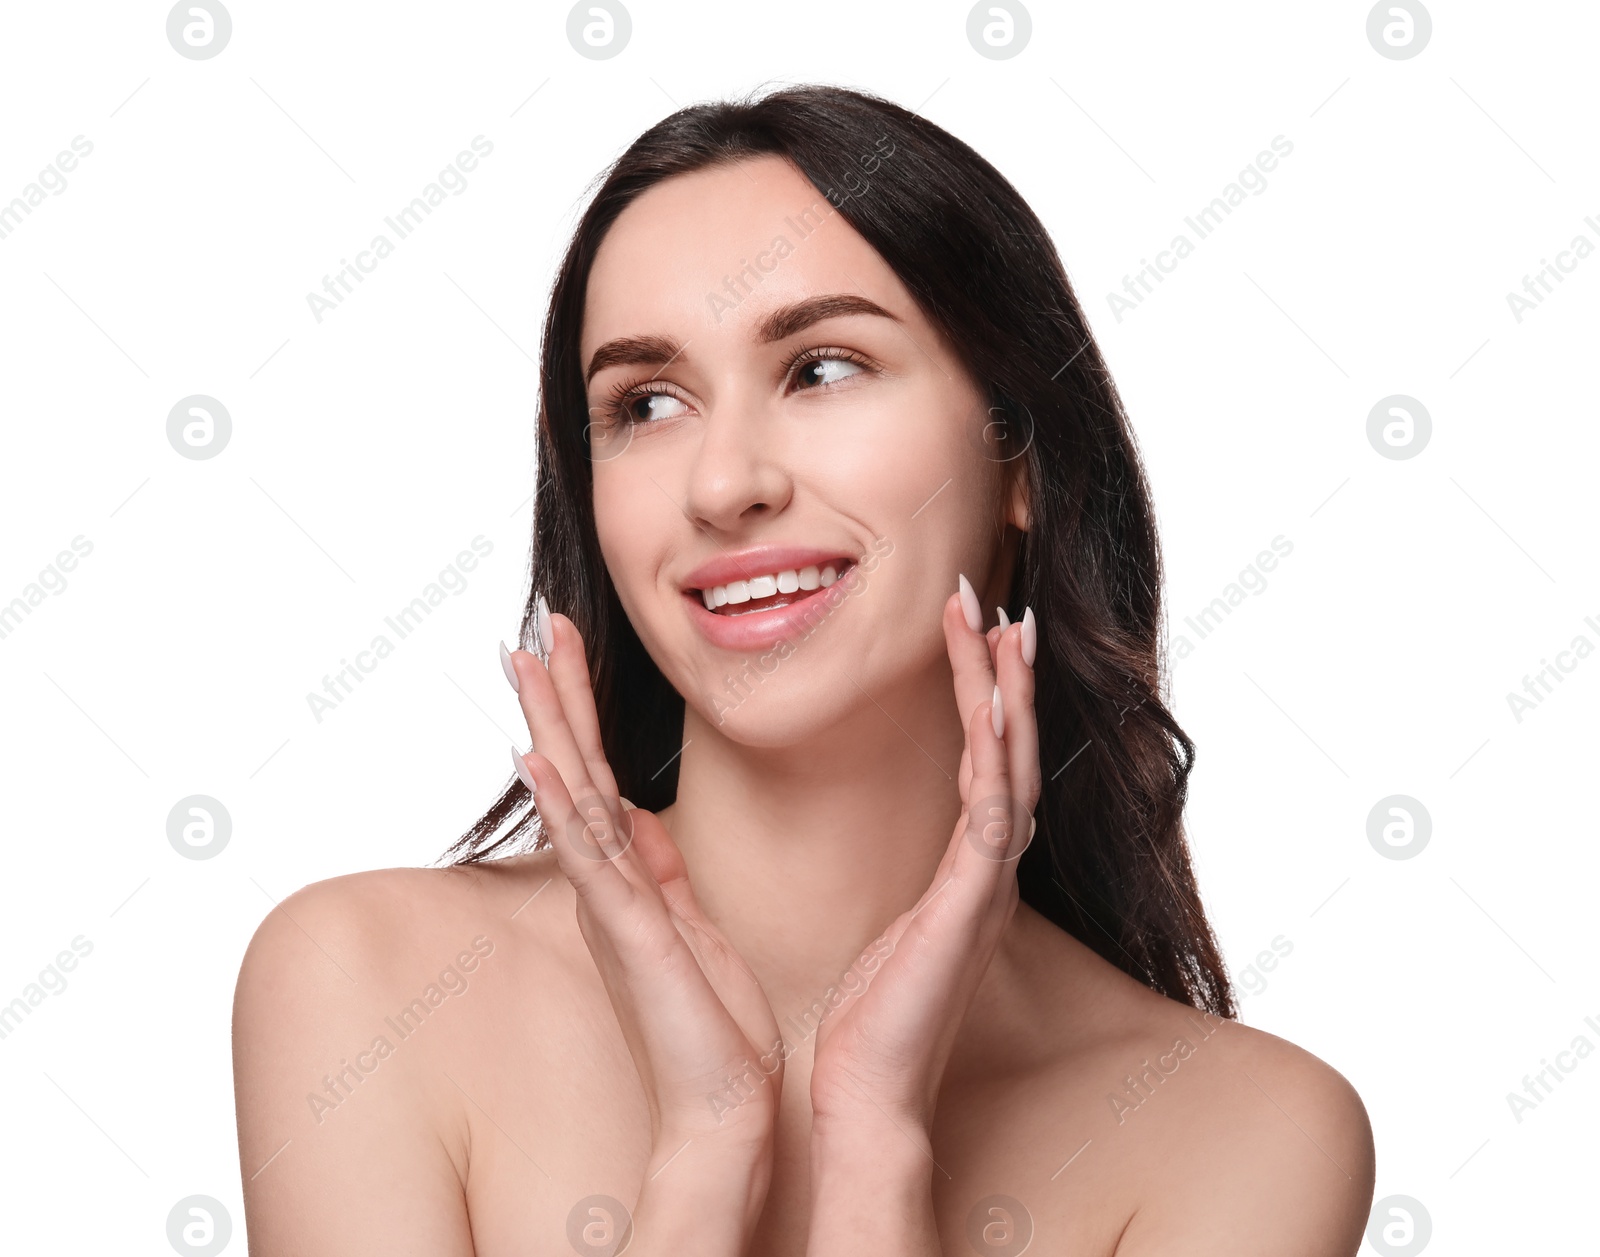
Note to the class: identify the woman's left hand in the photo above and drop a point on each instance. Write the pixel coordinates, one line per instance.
(881, 1054)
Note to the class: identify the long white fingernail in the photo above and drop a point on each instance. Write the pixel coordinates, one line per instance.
(522, 770)
(1030, 637)
(1005, 620)
(542, 625)
(970, 606)
(511, 673)
(999, 714)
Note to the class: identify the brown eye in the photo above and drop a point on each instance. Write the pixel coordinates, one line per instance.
(822, 370)
(644, 408)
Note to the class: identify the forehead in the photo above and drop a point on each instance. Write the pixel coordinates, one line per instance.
(704, 254)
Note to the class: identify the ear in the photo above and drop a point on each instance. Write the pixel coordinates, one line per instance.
(1017, 495)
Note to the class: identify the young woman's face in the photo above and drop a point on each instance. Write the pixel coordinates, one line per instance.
(768, 410)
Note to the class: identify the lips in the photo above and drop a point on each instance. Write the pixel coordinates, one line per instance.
(773, 589)
(756, 597)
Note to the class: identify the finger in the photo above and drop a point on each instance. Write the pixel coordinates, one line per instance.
(969, 657)
(545, 711)
(990, 842)
(569, 670)
(1016, 681)
(579, 842)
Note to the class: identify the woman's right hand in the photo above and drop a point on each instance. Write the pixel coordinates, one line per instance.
(697, 1022)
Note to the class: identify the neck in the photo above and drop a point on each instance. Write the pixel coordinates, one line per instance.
(803, 854)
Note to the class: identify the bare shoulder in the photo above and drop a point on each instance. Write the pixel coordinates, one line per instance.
(359, 998)
(1278, 1154)
(1159, 1128)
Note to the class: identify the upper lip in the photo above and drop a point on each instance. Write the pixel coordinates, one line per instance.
(759, 561)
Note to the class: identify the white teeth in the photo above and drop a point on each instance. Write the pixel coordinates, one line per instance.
(788, 581)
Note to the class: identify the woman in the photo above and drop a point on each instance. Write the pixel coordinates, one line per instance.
(897, 948)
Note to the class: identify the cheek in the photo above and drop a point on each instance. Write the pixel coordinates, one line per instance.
(628, 523)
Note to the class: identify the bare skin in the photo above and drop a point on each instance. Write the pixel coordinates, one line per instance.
(574, 1014)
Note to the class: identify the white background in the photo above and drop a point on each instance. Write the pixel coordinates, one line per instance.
(369, 449)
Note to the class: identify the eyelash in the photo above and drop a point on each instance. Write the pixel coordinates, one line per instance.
(622, 394)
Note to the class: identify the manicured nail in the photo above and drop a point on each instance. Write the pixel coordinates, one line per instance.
(522, 770)
(542, 625)
(1005, 620)
(970, 607)
(999, 714)
(511, 673)
(1030, 637)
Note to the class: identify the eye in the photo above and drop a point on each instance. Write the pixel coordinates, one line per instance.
(643, 404)
(818, 368)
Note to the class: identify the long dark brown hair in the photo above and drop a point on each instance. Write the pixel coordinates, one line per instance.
(1110, 863)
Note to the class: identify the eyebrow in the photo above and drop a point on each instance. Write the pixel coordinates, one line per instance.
(780, 324)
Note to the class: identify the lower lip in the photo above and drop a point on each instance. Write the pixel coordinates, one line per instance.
(757, 629)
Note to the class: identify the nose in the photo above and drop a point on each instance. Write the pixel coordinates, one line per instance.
(738, 472)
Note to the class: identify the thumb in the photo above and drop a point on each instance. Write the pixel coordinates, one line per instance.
(654, 845)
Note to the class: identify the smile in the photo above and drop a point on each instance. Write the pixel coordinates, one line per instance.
(776, 589)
